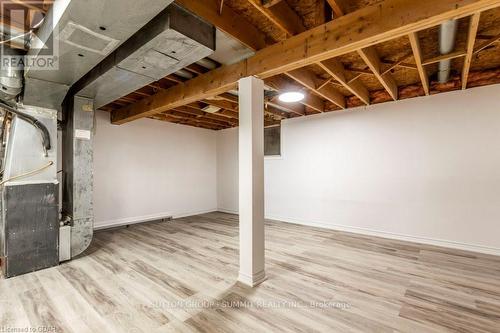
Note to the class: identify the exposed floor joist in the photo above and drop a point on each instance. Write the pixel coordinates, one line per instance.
(487, 43)
(361, 29)
(309, 80)
(417, 54)
(227, 21)
(312, 101)
(335, 68)
(471, 40)
(452, 55)
(371, 58)
(281, 15)
(338, 7)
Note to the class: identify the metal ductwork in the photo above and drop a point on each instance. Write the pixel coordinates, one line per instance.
(11, 78)
(171, 41)
(77, 36)
(102, 50)
(447, 35)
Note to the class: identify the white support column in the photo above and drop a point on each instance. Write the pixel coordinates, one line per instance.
(251, 180)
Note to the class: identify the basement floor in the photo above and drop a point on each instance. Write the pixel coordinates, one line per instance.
(180, 277)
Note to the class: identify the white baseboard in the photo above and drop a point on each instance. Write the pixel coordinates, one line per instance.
(383, 234)
(229, 211)
(146, 218)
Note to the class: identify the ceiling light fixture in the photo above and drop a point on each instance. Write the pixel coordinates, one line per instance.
(291, 97)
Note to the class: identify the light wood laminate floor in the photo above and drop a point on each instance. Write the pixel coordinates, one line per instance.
(180, 277)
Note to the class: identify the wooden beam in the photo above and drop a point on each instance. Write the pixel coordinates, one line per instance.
(335, 68)
(227, 105)
(31, 6)
(280, 84)
(227, 97)
(372, 59)
(338, 7)
(227, 21)
(452, 55)
(471, 40)
(276, 112)
(194, 110)
(282, 16)
(309, 80)
(270, 3)
(296, 108)
(417, 54)
(387, 20)
(227, 113)
(186, 115)
(399, 62)
(489, 42)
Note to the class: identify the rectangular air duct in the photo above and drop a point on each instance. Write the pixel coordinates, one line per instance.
(80, 34)
(171, 41)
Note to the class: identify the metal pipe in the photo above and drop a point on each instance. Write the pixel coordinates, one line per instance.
(447, 34)
(34, 122)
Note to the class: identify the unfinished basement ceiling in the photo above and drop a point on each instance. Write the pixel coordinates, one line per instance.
(396, 56)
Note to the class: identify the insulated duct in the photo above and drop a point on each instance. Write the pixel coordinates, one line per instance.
(447, 34)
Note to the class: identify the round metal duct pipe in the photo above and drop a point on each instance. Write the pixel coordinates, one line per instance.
(11, 78)
(447, 34)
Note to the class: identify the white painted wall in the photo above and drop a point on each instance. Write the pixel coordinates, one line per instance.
(425, 169)
(149, 169)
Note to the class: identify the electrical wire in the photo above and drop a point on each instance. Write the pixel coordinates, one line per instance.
(26, 174)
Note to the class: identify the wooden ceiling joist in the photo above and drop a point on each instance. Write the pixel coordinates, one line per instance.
(400, 62)
(338, 7)
(314, 102)
(309, 80)
(488, 43)
(452, 55)
(228, 114)
(227, 21)
(30, 5)
(194, 110)
(281, 15)
(417, 54)
(361, 29)
(371, 58)
(471, 40)
(223, 104)
(335, 68)
(295, 108)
